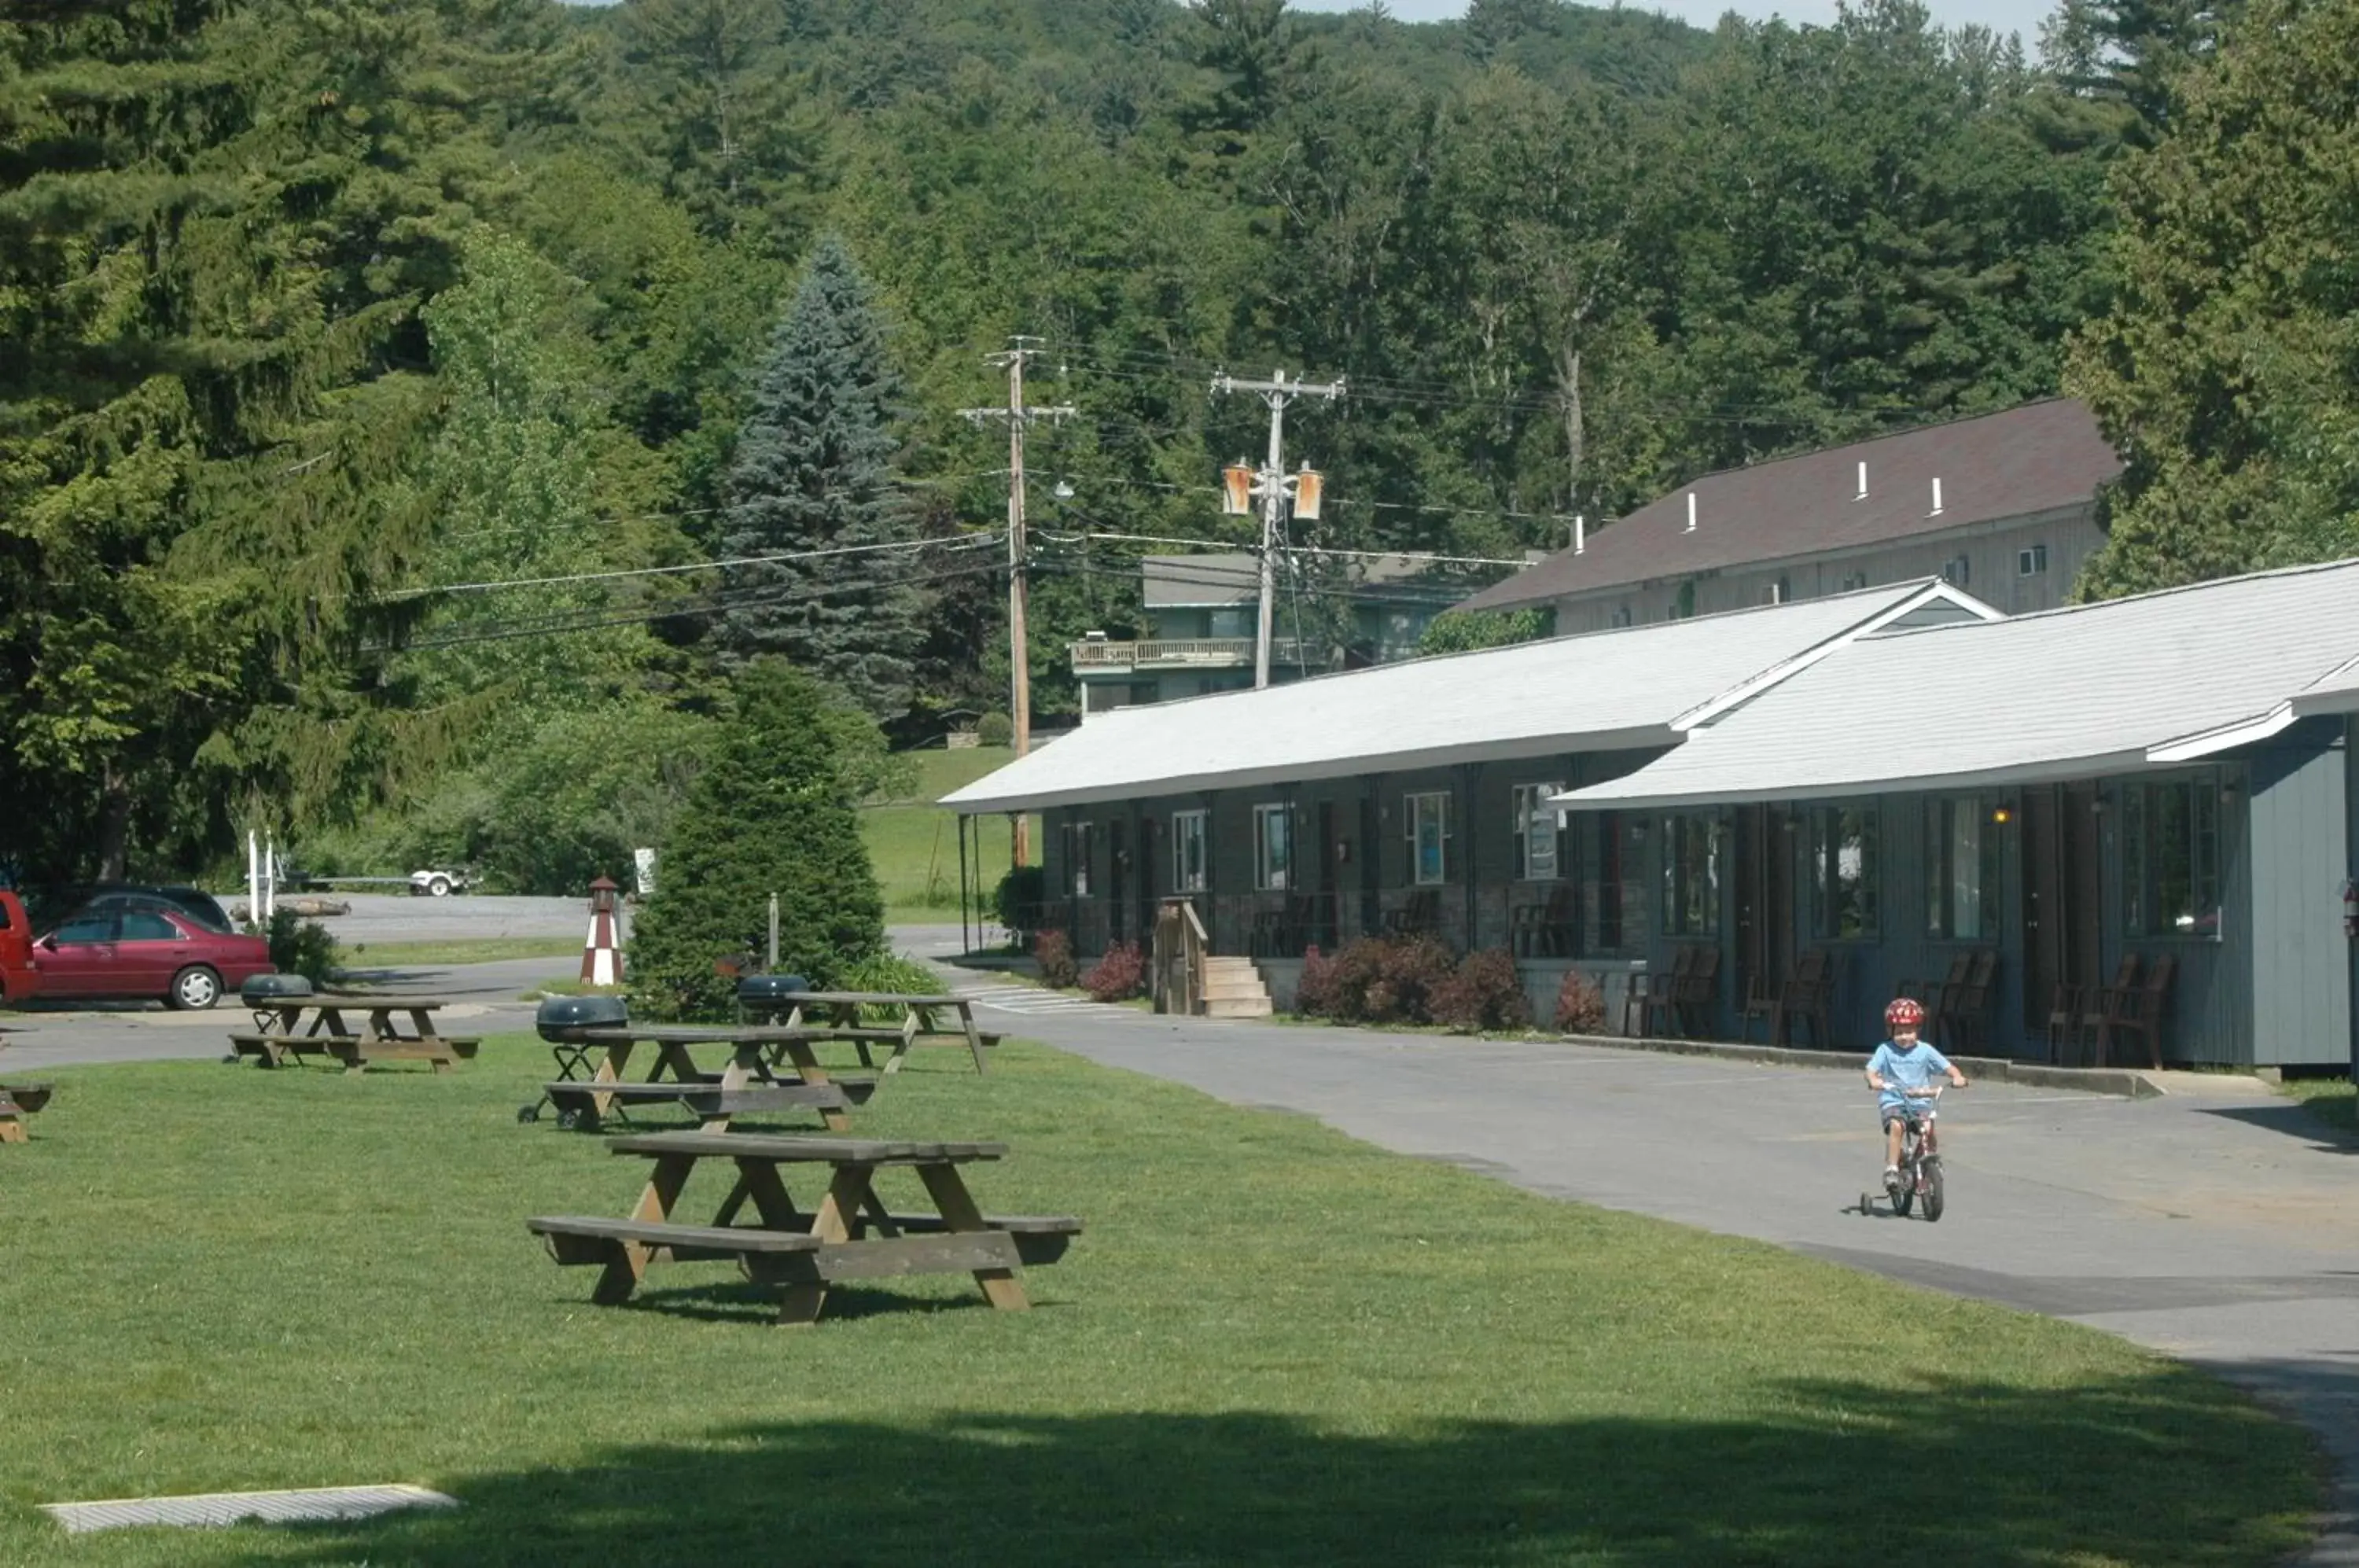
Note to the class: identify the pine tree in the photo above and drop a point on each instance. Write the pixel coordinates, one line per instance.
(772, 814)
(814, 472)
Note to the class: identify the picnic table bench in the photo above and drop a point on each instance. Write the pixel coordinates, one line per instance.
(279, 1035)
(848, 1234)
(837, 1015)
(595, 1060)
(18, 1101)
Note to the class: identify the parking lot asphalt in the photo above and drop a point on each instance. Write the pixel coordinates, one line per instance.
(2219, 1223)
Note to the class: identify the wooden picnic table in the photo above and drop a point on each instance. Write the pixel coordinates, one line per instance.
(18, 1101)
(848, 1234)
(836, 1014)
(751, 1082)
(279, 1033)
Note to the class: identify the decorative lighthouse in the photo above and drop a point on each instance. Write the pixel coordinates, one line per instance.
(601, 953)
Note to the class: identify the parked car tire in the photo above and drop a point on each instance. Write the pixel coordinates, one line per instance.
(195, 988)
(440, 887)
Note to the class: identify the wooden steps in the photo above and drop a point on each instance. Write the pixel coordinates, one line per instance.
(1234, 989)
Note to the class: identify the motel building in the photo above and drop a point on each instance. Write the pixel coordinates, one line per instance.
(1782, 816)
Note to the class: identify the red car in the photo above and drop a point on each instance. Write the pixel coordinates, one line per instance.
(137, 953)
(18, 978)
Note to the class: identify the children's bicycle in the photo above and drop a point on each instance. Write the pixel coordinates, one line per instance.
(1918, 1184)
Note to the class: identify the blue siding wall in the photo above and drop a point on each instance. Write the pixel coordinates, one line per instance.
(2300, 827)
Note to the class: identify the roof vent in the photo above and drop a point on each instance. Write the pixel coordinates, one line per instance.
(1937, 500)
(1863, 483)
(1690, 511)
(1580, 535)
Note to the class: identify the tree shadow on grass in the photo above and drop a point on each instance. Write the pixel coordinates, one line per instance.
(2155, 1469)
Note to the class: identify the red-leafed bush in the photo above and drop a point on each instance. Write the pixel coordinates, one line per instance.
(1119, 975)
(1580, 1005)
(1314, 993)
(1053, 951)
(1374, 980)
(1484, 992)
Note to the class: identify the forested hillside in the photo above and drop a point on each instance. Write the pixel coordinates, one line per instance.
(380, 380)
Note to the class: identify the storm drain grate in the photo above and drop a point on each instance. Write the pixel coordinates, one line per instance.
(212, 1508)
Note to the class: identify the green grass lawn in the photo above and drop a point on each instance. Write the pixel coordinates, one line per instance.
(914, 844)
(1272, 1344)
(2333, 1101)
(474, 950)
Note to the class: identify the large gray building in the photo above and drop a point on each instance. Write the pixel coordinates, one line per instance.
(2002, 505)
(1890, 789)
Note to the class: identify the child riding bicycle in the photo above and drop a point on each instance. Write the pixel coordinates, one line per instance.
(1900, 1071)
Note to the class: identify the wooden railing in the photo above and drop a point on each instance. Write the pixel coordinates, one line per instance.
(1179, 948)
(1220, 653)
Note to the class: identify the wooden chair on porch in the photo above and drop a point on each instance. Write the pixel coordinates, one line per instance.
(1696, 994)
(1543, 929)
(1420, 916)
(1806, 993)
(1962, 1014)
(2089, 1023)
(1659, 998)
(2137, 1011)
(1930, 992)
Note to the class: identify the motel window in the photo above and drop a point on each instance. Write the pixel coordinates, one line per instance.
(2171, 843)
(1621, 615)
(1961, 868)
(1187, 852)
(1427, 819)
(1077, 859)
(1958, 570)
(1854, 581)
(1272, 848)
(1690, 874)
(1536, 833)
(1844, 873)
(2032, 561)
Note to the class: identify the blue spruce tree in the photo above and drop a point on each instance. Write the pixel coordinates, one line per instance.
(814, 472)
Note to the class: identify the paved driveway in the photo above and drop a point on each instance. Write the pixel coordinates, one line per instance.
(2219, 1223)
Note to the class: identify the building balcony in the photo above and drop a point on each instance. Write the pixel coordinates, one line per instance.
(1097, 655)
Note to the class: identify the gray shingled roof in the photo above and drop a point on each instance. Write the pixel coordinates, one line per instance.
(2068, 693)
(2034, 459)
(1632, 687)
(1213, 578)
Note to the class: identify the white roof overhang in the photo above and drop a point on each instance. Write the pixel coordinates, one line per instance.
(1631, 794)
(1635, 687)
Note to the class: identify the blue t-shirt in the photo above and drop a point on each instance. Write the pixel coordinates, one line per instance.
(1915, 1068)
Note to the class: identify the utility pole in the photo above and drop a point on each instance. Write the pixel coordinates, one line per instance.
(1019, 660)
(1270, 485)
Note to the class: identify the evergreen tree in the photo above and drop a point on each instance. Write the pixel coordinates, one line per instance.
(814, 471)
(771, 813)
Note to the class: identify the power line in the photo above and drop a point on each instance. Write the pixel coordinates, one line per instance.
(963, 542)
(558, 626)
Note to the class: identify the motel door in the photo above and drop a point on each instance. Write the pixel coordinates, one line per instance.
(2062, 897)
(1117, 879)
(1764, 898)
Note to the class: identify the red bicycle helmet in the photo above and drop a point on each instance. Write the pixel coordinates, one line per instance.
(1905, 1010)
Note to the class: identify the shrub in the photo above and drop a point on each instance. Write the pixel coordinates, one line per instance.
(770, 813)
(1314, 993)
(1018, 899)
(995, 729)
(888, 971)
(1485, 993)
(1414, 968)
(1580, 1005)
(303, 947)
(1053, 951)
(1374, 980)
(1117, 977)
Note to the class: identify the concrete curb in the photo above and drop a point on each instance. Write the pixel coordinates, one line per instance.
(2119, 1082)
